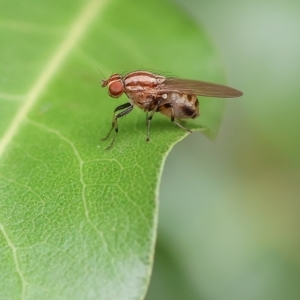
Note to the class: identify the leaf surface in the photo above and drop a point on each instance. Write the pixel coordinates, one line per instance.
(76, 221)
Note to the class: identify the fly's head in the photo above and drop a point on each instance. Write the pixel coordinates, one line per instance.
(115, 85)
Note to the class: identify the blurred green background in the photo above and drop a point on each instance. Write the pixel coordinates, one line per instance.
(229, 217)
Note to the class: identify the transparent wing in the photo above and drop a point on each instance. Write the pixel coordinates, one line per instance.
(200, 88)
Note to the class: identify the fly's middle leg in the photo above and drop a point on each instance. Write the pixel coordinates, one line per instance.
(149, 118)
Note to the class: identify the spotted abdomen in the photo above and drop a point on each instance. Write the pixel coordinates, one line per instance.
(184, 106)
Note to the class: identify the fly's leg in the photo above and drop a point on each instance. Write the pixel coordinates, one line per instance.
(127, 109)
(169, 105)
(147, 114)
(149, 118)
(114, 121)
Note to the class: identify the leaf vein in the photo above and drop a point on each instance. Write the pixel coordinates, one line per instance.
(75, 33)
(16, 261)
(81, 164)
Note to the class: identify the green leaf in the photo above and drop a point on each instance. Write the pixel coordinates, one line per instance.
(76, 221)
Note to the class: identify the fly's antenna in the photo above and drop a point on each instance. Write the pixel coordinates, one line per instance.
(103, 77)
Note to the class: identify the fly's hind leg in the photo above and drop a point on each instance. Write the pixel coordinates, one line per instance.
(169, 106)
(127, 109)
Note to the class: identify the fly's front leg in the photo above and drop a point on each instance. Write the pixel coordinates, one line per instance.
(114, 122)
(127, 109)
(169, 106)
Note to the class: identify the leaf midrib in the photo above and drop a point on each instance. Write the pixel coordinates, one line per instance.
(77, 29)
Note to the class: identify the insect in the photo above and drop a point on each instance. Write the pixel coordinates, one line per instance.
(174, 97)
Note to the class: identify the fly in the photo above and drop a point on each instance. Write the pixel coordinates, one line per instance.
(174, 97)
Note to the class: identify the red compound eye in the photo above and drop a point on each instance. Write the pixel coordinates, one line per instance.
(116, 89)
